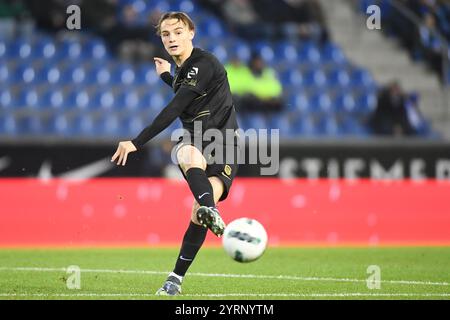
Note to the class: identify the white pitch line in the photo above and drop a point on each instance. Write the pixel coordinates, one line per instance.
(227, 275)
(218, 295)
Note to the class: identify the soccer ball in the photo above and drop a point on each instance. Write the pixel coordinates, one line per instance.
(244, 239)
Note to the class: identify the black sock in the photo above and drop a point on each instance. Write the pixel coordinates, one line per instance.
(200, 186)
(193, 239)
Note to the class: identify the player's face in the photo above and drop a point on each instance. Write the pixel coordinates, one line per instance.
(176, 37)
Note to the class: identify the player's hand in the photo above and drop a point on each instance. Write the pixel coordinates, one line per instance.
(161, 65)
(124, 148)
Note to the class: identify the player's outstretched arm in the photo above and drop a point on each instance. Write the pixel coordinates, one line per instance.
(173, 110)
(163, 70)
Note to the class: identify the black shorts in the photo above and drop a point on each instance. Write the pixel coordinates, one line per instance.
(225, 169)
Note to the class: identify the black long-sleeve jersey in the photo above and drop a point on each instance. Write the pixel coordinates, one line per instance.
(202, 93)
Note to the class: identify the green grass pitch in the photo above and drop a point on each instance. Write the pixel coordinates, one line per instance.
(281, 273)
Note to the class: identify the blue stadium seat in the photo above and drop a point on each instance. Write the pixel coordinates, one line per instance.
(350, 125)
(101, 75)
(21, 48)
(8, 125)
(220, 51)
(60, 125)
(65, 77)
(95, 49)
(287, 52)
(110, 125)
(299, 102)
(104, 99)
(13, 73)
(331, 53)
(292, 77)
(75, 74)
(162, 5)
(186, 6)
(29, 98)
(20, 101)
(256, 121)
(84, 125)
(3, 49)
(146, 75)
(6, 73)
(329, 126)
(80, 99)
(54, 99)
(129, 100)
(51, 74)
(46, 48)
(134, 125)
(154, 102)
(212, 27)
(143, 11)
(26, 74)
(7, 99)
(309, 53)
(345, 102)
(32, 125)
(338, 77)
(70, 49)
(35, 99)
(304, 126)
(241, 50)
(366, 102)
(123, 74)
(265, 50)
(282, 123)
(40, 75)
(321, 102)
(361, 77)
(315, 78)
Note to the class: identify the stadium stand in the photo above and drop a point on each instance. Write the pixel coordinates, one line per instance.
(425, 41)
(70, 84)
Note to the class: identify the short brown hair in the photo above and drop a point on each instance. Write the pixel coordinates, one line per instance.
(175, 15)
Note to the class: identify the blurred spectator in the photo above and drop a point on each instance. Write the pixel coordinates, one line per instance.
(306, 17)
(128, 33)
(396, 113)
(256, 87)
(241, 18)
(430, 43)
(415, 117)
(422, 40)
(51, 16)
(239, 77)
(14, 19)
(268, 19)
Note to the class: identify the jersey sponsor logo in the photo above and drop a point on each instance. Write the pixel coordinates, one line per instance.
(192, 82)
(192, 73)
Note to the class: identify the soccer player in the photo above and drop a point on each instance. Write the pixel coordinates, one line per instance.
(202, 97)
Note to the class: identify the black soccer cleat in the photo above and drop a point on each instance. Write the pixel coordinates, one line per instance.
(210, 218)
(172, 287)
